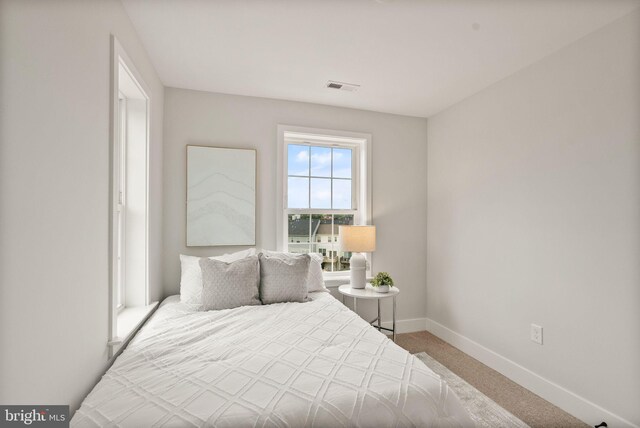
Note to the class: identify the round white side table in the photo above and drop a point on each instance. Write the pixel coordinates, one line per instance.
(369, 293)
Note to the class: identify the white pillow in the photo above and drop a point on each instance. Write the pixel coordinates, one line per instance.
(315, 281)
(191, 275)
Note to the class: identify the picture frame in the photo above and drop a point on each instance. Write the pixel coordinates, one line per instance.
(221, 196)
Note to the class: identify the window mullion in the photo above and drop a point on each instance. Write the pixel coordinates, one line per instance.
(331, 183)
(334, 252)
(309, 235)
(309, 149)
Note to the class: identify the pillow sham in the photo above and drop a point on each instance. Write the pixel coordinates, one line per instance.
(228, 285)
(316, 278)
(283, 279)
(315, 281)
(191, 274)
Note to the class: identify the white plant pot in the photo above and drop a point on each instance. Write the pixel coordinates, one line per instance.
(382, 289)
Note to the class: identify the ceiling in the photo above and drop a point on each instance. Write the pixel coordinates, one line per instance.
(410, 57)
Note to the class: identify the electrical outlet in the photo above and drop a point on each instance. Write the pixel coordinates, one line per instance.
(536, 334)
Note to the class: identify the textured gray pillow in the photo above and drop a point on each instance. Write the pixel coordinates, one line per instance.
(315, 281)
(229, 285)
(283, 279)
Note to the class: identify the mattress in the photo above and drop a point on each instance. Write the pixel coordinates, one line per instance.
(312, 364)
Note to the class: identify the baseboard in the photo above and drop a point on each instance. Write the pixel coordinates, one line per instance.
(407, 326)
(581, 408)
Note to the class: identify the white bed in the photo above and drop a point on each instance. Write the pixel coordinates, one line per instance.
(314, 364)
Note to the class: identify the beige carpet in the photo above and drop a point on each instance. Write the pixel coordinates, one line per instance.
(484, 411)
(522, 403)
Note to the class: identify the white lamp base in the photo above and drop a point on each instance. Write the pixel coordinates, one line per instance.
(358, 266)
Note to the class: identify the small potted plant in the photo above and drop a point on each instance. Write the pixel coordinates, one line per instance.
(382, 282)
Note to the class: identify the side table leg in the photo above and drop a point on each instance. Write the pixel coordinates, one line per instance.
(394, 318)
(379, 321)
(355, 305)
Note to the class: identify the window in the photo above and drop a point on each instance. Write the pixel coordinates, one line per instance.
(324, 184)
(120, 186)
(129, 195)
(319, 177)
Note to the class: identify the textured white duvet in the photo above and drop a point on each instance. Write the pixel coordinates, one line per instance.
(314, 364)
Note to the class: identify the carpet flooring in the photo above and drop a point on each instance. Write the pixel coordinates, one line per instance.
(522, 403)
(485, 412)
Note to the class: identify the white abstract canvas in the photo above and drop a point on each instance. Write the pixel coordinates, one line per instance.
(221, 196)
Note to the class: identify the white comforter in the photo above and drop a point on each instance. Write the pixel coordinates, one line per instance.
(314, 364)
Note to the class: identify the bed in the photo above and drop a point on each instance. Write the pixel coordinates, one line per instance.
(315, 364)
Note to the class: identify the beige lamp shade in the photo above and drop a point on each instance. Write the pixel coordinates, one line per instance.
(359, 239)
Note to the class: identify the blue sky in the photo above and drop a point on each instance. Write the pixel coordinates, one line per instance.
(323, 164)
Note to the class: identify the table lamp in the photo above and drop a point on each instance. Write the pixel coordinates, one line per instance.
(358, 240)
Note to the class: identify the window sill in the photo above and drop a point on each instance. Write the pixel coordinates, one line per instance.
(336, 281)
(129, 321)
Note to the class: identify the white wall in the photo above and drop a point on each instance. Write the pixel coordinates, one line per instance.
(54, 193)
(534, 217)
(399, 177)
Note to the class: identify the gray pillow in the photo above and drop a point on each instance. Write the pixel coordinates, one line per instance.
(283, 279)
(229, 285)
(315, 281)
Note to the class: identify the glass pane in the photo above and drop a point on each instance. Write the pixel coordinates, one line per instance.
(321, 161)
(316, 240)
(342, 163)
(342, 194)
(318, 233)
(323, 239)
(298, 192)
(320, 193)
(298, 248)
(298, 236)
(298, 160)
(342, 257)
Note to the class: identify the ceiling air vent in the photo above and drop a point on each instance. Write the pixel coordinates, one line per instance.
(350, 87)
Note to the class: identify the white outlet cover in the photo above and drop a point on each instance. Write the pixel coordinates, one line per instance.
(536, 334)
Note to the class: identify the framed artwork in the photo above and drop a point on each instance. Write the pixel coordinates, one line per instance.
(221, 196)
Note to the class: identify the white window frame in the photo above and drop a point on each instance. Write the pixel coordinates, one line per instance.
(125, 317)
(120, 187)
(360, 143)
